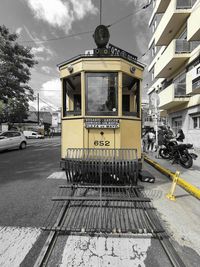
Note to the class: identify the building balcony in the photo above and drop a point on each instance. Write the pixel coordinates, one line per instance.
(161, 6)
(193, 25)
(173, 95)
(173, 19)
(175, 55)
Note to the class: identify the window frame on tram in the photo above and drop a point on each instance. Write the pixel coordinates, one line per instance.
(130, 96)
(75, 101)
(130, 91)
(107, 112)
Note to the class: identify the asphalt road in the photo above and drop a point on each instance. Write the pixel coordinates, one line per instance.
(25, 202)
(25, 192)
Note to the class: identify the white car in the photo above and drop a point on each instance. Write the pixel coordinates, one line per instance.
(32, 135)
(12, 140)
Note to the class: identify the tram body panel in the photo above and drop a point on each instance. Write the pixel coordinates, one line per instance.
(101, 138)
(130, 135)
(102, 64)
(72, 135)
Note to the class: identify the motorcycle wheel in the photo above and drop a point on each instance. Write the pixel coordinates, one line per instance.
(164, 153)
(186, 161)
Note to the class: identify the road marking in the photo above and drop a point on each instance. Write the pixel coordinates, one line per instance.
(57, 175)
(100, 251)
(15, 243)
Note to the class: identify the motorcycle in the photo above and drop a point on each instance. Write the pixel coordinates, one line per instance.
(167, 148)
(177, 152)
(181, 155)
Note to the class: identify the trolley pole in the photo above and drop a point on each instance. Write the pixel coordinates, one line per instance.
(156, 122)
(38, 108)
(100, 11)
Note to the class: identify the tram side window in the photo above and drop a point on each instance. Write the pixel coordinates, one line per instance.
(72, 96)
(101, 94)
(130, 96)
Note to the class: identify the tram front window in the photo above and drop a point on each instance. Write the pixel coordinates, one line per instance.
(72, 96)
(130, 96)
(101, 94)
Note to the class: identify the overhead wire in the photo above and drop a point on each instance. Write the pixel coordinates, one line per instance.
(49, 105)
(55, 39)
(132, 13)
(86, 32)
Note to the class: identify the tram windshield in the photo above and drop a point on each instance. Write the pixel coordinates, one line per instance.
(101, 94)
(72, 96)
(130, 96)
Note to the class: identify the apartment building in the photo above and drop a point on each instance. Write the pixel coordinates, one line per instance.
(175, 63)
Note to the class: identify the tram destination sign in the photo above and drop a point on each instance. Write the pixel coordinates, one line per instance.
(101, 123)
(116, 51)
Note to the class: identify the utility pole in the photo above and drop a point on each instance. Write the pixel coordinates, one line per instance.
(38, 107)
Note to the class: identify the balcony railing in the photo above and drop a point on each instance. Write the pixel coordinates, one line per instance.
(182, 46)
(184, 4)
(180, 90)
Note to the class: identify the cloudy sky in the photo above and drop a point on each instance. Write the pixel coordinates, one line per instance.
(45, 24)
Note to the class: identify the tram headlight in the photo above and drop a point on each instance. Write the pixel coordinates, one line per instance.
(70, 68)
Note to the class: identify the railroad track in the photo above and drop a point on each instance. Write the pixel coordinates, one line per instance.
(104, 210)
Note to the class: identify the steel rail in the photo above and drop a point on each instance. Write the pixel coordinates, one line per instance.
(148, 220)
(47, 249)
(101, 198)
(104, 186)
(170, 251)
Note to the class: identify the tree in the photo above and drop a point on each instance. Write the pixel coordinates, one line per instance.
(15, 64)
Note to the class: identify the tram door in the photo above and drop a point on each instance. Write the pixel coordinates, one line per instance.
(101, 138)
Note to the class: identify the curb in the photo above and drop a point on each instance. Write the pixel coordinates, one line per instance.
(185, 185)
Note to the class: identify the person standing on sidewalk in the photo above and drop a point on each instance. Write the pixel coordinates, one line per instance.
(145, 141)
(151, 140)
(161, 137)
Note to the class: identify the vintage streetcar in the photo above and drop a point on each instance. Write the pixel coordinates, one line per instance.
(101, 114)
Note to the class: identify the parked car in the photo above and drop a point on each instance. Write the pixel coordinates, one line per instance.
(32, 135)
(12, 140)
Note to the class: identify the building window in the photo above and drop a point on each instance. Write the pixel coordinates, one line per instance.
(180, 85)
(195, 121)
(176, 124)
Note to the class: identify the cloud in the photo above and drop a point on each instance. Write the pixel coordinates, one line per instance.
(83, 7)
(51, 92)
(42, 52)
(60, 13)
(19, 30)
(46, 69)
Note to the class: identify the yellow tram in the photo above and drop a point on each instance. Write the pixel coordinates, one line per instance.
(101, 106)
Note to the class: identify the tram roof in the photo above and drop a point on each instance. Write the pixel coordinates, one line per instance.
(140, 64)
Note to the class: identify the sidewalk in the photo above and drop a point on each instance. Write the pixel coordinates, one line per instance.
(191, 175)
(180, 217)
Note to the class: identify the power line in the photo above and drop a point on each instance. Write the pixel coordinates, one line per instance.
(86, 32)
(49, 105)
(133, 13)
(55, 39)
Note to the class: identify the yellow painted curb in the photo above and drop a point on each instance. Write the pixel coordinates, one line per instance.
(187, 186)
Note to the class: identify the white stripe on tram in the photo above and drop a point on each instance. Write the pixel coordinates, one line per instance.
(15, 243)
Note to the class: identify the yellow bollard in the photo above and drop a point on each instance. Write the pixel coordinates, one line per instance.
(171, 195)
